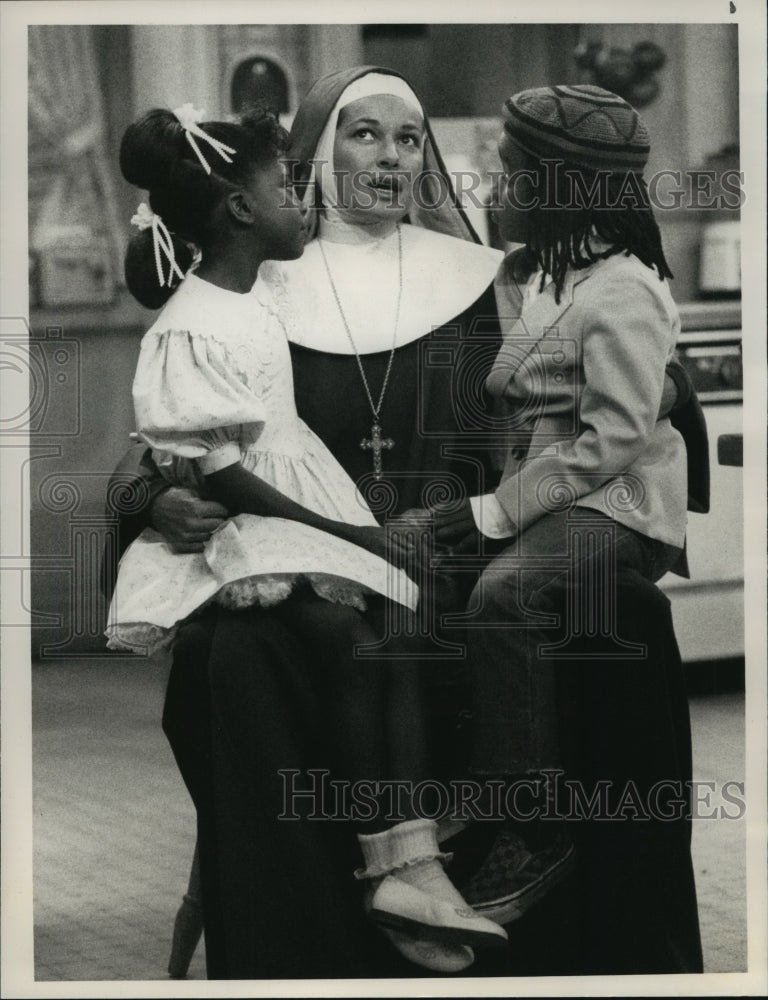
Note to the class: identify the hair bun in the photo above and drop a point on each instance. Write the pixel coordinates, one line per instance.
(150, 147)
(141, 270)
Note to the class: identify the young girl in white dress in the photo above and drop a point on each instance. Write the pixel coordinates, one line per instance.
(213, 396)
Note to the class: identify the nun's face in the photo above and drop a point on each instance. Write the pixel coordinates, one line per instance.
(377, 154)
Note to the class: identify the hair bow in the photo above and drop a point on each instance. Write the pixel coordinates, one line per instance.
(145, 218)
(189, 117)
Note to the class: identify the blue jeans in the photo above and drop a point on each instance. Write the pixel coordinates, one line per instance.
(518, 631)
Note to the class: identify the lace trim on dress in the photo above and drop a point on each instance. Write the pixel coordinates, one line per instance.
(267, 590)
(139, 637)
(144, 637)
(264, 590)
(271, 291)
(337, 590)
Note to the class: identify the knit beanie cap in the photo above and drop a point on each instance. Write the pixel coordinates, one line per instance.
(584, 125)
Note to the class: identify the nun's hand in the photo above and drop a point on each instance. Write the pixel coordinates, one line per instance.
(453, 520)
(184, 520)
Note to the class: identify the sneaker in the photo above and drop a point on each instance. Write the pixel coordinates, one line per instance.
(512, 879)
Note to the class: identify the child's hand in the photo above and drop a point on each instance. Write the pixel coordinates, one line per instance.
(453, 522)
(416, 517)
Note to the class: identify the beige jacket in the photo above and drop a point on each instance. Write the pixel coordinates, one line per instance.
(579, 385)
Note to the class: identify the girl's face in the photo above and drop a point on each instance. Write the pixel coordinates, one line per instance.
(377, 154)
(280, 218)
(518, 190)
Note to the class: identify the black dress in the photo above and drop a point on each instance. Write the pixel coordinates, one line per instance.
(243, 708)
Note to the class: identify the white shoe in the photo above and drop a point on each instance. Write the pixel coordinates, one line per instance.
(402, 907)
(433, 955)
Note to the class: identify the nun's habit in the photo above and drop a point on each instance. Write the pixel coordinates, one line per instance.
(417, 301)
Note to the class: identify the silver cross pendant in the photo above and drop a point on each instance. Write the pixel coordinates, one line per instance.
(377, 444)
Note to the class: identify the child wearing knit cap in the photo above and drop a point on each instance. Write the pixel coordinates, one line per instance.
(593, 484)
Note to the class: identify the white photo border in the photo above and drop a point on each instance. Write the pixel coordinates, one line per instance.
(15, 16)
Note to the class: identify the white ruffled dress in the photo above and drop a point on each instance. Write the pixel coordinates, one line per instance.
(214, 385)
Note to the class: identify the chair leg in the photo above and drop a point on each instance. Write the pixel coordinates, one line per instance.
(188, 926)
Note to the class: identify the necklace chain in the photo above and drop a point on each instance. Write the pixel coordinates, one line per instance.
(375, 409)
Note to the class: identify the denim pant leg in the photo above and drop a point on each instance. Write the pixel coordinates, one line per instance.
(513, 615)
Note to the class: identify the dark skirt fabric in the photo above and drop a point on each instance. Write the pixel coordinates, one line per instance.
(243, 706)
(630, 906)
(279, 897)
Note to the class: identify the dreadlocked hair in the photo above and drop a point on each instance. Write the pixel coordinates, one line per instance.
(574, 205)
(156, 157)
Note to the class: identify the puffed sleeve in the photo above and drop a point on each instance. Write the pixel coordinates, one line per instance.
(191, 401)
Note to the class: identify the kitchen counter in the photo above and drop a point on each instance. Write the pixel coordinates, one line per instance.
(714, 314)
(122, 313)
